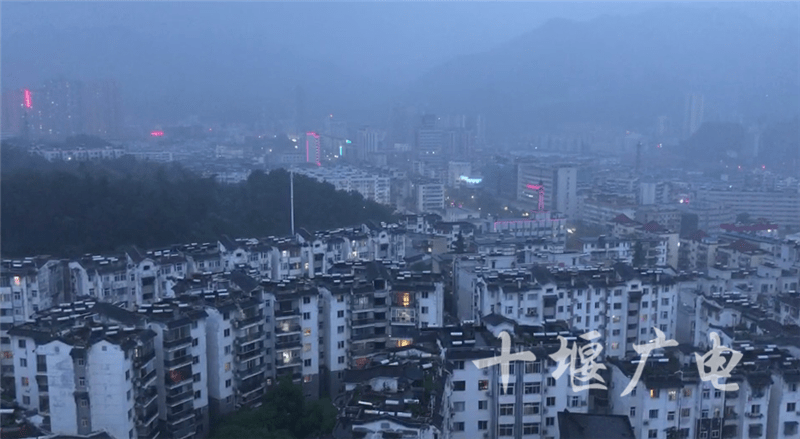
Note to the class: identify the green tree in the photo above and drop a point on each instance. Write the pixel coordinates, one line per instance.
(460, 245)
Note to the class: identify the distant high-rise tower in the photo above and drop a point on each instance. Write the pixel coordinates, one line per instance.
(367, 141)
(693, 114)
(429, 137)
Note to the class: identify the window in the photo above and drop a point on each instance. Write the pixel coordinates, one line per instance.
(654, 393)
(307, 363)
(533, 367)
(685, 413)
(84, 422)
(306, 316)
(755, 409)
(195, 360)
(128, 394)
(550, 401)
(483, 404)
(670, 416)
(424, 310)
(197, 394)
(532, 388)
(483, 385)
(530, 408)
(306, 300)
(227, 367)
(23, 362)
(22, 344)
(459, 386)
(654, 414)
(717, 393)
(227, 350)
(633, 412)
(652, 434)
(665, 301)
(458, 365)
(483, 425)
(127, 375)
(227, 332)
(506, 409)
(458, 426)
(550, 421)
(704, 414)
(530, 428)
(507, 390)
(459, 406)
(228, 383)
(26, 400)
(340, 314)
(81, 381)
(506, 430)
(790, 407)
(81, 362)
(196, 378)
(551, 382)
(341, 360)
(339, 330)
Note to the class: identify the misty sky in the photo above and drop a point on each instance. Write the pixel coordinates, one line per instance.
(177, 58)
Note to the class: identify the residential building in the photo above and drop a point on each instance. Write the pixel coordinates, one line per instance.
(559, 183)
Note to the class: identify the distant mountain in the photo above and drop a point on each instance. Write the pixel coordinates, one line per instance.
(625, 71)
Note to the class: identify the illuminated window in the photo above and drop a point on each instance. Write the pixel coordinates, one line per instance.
(654, 393)
(307, 332)
(25, 382)
(403, 343)
(227, 367)
(17, 280)
(405, 299)
(307, 378)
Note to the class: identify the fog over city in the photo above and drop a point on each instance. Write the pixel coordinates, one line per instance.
(399, 220)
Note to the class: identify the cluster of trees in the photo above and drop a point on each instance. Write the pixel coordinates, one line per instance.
(285, 414)
(69, 209)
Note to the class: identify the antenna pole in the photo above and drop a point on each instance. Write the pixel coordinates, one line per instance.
(291, 196)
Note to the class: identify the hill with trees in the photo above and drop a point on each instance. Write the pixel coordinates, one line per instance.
(69, 209)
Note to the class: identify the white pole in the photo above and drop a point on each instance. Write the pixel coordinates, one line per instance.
(291, 196)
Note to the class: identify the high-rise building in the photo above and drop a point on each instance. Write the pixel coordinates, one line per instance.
(367, 141)
(429, 137)
(559, 183)
(693, 116)
(101, 109)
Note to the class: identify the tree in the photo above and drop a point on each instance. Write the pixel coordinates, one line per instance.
(460, 245)
(744, 218)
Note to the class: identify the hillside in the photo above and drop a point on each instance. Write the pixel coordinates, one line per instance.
(625, 71)
(71, 209)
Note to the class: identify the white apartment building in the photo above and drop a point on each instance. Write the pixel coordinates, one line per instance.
(782, 208)
(295, 313)
(622, 304)
(84, 376)
(481, 408)
(371, 186)
(430, 197)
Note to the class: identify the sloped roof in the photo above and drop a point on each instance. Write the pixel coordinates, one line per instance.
(624, 219)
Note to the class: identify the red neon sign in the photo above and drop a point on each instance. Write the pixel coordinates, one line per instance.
(156, 133)
(28, 101)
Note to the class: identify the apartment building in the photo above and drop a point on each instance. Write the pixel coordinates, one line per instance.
(429, 197)
(602, 249)
(559, 182)
(82, 376)
(671, 398)
(781, 208)
(295, 314)
(181, 363)
(370, 185)
(480, 406)
(623, 304)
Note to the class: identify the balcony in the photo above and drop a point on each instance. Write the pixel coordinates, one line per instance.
(288, 329)
(147, 379)
(145, 397)
(286, 342)
(177, 342)
(296, 361)
(179, 398)
(404, 321)
(250, 388)
(249, 338)
(181, 415)
(287, 313)
(367, 336)
(181, 433)
(148, 431)
(249, 321)
(244, 374)
(732, 394)
(178, 362)
(754, 415)
(242, 355)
